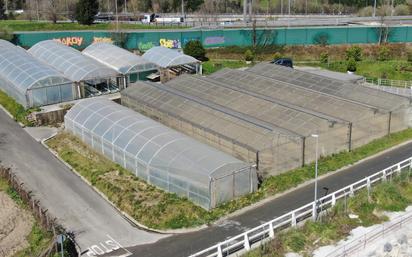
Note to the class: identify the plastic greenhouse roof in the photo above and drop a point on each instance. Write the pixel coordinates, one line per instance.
(24, 71)
(242, 131)
(269, 88)
(151, 142)
(298, 122)
(72, 63)
(359, 94)
(118, 58)
(166, 57)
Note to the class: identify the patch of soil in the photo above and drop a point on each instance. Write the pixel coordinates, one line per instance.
(15, 225)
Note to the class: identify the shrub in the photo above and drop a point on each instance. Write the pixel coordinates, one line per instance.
(351, 65)
(409, 55)
(366, 12)
(277, 55)
(324, 57)
(402, 9)
(354, 52)
(86, 10)
(195, 49)
(6, 33)
(249, 56)
(321, 38)
(383, 53)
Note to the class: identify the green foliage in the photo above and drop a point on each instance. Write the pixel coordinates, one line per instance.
(38, 239)
(321, 38)
(14, 195)
(351, 64)
(277, 55)
(383, 53)
(2, 10)
(15, 109)
(195, 49)
(366, 11)
(86, 10)
(294, 240)
(402, 9)
(409, 56)
(249, 56)
(354, 52)
(324, 57)
(6, 33)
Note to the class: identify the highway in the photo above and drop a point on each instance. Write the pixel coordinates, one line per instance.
(96, 224)
(186, 244)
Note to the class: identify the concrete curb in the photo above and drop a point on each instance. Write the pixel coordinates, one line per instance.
(126, 216)
(11, 116)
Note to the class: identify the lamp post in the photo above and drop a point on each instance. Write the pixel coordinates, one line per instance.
(315, 213)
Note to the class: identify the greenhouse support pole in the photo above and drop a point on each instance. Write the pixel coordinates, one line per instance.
(350, 136)
(303, 150)
(389, 123)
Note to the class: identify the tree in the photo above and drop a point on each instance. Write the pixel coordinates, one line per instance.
(195, 49)
(52, 10)
(6, 33)
(2, 10)
(86, 10)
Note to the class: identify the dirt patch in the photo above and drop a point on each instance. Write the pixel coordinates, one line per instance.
(15, 225)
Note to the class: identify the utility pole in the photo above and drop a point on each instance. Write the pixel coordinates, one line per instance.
(281, 7)
(183, 8)
(125, 6)
(289, 7)
(316, 177)
(117, 16)
(374, 8)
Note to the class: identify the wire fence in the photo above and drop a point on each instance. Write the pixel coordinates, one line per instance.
(361, 242)
(44, 218)
(267, 230)
(389, 82)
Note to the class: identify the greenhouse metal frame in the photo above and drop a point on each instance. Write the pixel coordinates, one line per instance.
(121, 60)
(29, 81)
(160, 155)
(165, 57)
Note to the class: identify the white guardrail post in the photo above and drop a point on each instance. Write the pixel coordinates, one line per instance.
(279, 222)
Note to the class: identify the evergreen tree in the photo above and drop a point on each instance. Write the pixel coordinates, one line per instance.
(195, 49)
(86, 10)
(2, 10)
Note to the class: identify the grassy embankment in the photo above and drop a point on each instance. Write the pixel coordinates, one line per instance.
(158, 209)
(15, 109)
(395, 195)
(19, 25)
(38, 239)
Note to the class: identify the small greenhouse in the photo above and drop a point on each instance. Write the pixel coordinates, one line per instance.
(160, 155)
(29, 81)
(91, 77)
(130, 65)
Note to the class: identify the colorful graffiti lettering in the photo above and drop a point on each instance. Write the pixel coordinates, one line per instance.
(170, 43)
(70, 41)
(187, 39)
(214, 40)
(102, 40)
(145, 46)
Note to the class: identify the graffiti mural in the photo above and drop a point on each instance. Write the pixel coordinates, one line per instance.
(70, 41)
(170, 43)
(214, 40)
(102, 40)
(145, 46)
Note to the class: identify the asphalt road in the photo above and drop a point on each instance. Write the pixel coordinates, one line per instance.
(96, 224)
(185, 244)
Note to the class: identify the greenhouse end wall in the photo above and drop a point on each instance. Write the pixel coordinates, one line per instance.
(159, 155)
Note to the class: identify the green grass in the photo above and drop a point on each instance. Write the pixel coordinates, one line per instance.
(18, 25)
(157, 209)
(395, 70)
(15, 109)
(38, 239)
(214, 65)
(336, 224)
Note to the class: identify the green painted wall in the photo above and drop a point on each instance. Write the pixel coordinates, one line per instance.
(217, 38)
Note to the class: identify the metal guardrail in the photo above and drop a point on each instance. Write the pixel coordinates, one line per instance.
(389, 82)
(267, 230)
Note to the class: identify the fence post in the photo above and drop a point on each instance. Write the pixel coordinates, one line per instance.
(219, 250)
(351, 192)
(293, 219)
(333, 200)
(314, 211)
(368, 183)
(246, 244)
(271, 230)
(384, 175)
(399, 168)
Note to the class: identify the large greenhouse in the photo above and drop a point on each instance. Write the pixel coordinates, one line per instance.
(275, 136)
(91, 77)
(366, 122)
(397, 107)
(29, 81)
(130, 65)
(160, 155)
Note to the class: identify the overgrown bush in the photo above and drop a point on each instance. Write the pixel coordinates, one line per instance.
(402, 9)
(249, 56)
(354, 52)
(409, 55)
(195, 49)
(277, 55)
(324, 57)
(6, 33)
(383, 53)
(366, 12)
(351, 65)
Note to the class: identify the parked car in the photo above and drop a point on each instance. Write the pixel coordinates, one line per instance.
(287, 62)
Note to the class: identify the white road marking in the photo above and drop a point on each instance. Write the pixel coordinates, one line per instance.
(106, 247)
